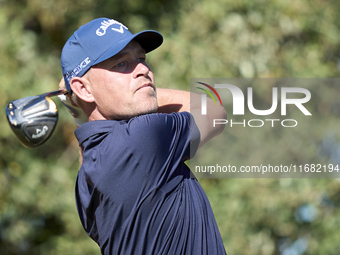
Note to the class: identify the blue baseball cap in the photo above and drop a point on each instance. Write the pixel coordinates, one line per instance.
(99, 40)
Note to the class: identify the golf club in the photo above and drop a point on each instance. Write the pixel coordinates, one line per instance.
(34, 118)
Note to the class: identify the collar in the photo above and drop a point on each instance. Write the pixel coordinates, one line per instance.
(92, 128)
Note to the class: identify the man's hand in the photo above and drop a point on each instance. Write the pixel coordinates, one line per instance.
(78, 114)
(62, 84)
(63, 87)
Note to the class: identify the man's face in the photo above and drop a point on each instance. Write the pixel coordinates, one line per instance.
(123, 86)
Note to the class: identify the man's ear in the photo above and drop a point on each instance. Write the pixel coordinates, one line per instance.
(80, 86)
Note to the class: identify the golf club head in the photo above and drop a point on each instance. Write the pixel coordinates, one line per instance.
(32, 119)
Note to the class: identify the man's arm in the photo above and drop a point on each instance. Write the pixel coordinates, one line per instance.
(170, 100)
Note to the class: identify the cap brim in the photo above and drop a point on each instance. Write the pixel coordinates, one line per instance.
(148, 40)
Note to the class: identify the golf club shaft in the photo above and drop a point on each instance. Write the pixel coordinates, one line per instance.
(54, 93)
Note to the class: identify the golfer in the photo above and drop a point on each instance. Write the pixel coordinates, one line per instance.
(134, 192)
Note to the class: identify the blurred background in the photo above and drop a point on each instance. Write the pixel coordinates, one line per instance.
(203, 39)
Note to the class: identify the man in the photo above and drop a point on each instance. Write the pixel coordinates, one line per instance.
(134, 193)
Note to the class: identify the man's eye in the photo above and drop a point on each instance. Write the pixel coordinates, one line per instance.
(142, 59)
(120, 64)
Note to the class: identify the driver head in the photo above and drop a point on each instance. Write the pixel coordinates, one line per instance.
(32, 119)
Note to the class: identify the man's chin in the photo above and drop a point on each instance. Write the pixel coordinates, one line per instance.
(139, 113)
(149, 111)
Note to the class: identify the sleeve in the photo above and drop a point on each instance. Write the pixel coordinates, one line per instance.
(174, 134)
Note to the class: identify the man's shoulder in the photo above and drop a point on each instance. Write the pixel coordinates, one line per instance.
(92, 128)
(160, 117)
(140, 125)
(156, 121)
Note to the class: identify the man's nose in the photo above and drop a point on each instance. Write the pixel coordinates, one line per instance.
(141, 69)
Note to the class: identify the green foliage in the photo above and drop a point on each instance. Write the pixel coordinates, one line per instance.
(203, 39)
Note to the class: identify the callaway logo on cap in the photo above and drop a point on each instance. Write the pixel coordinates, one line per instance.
(106, 24)
(97, 41)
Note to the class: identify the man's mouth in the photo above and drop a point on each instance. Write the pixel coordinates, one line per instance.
(146, 86)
